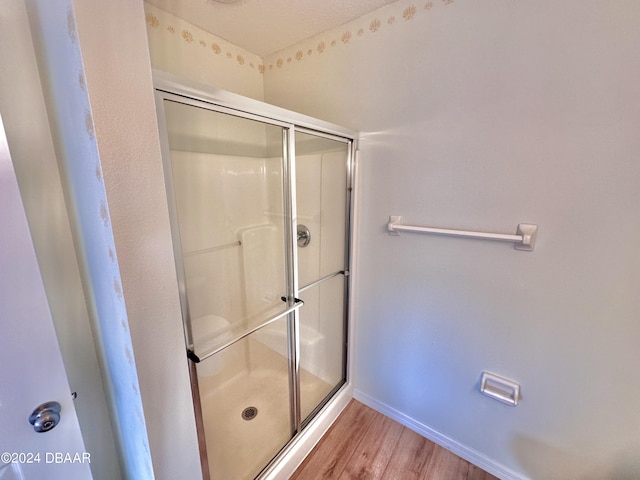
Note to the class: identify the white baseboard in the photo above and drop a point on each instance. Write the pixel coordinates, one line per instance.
(293, 455)
(469, 454)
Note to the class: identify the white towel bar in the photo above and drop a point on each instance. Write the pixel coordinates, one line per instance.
(524, 239)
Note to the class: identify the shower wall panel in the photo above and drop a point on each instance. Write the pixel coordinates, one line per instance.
(321, 207)
(308, 196)
(211, 237)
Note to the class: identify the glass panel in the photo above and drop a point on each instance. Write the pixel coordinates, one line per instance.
(244, 392)
(321, 202)
(322, 340)
(227, 174)
(321, 193)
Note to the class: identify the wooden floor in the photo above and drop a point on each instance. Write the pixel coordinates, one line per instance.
(364, 444)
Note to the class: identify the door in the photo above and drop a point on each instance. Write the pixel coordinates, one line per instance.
(31, 368)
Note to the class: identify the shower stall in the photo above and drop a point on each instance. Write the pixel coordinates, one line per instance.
(260, 206)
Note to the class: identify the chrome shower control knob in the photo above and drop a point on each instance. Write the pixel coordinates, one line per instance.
(45, 417)
(304, 235)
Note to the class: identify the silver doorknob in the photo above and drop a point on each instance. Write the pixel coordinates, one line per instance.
(45, 416)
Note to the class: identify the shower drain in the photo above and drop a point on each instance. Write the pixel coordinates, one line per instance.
(249, 413)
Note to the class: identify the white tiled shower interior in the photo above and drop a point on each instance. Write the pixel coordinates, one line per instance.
(219, 199)
(238, 184)
(321, 207)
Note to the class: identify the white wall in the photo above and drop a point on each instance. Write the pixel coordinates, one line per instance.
(482, 115)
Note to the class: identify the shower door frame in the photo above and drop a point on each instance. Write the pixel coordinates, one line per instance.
(172, 88)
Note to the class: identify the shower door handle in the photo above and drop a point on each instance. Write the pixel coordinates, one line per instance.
(191, 354)
(295, 300)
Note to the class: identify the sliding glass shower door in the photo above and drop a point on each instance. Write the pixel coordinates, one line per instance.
(322, 207)
(227, 178)
(259, 213)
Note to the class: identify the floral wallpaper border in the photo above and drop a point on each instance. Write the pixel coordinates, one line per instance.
(175, 29)
(370, 24)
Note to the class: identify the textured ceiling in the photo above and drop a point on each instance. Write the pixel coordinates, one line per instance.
(266, 26)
